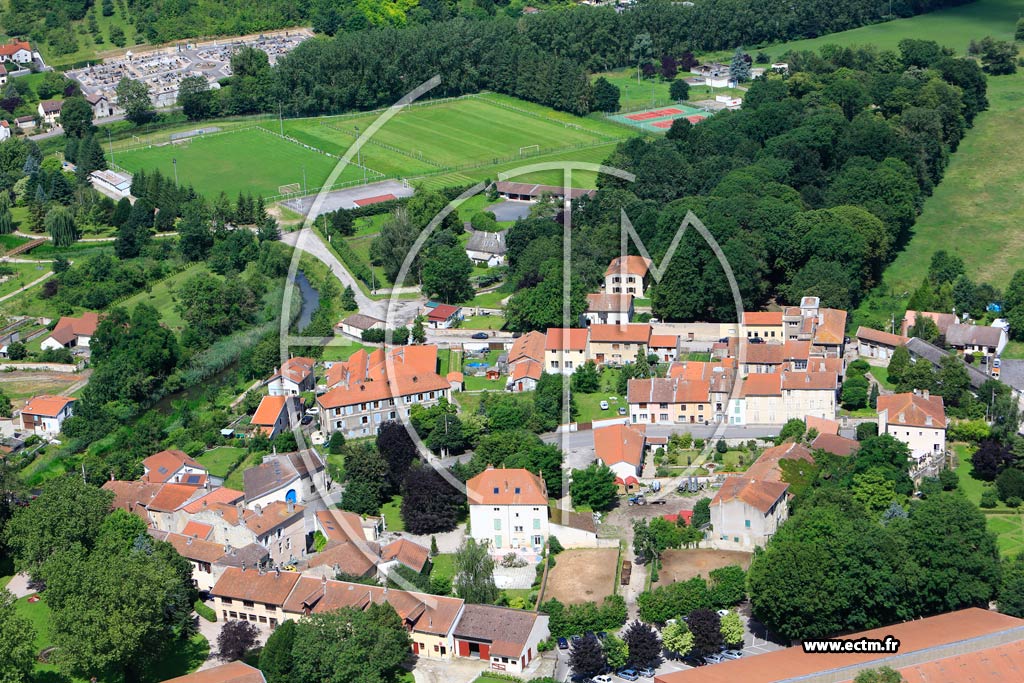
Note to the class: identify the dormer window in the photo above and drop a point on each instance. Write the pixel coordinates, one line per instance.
(517, 490)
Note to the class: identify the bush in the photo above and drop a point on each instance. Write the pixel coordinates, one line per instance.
(205, 611)
(1010, 484)
(554, 546)
(969, 431)
(866, 430)
(1013, 502)
(721, 447)
(857, 368)
(989, 498)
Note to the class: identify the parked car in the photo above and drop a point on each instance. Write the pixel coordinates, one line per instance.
(732, 654)
(315, 410)
(628, 674)
(646, 672)
(306, 419)
(563, 644)
(714, 658)
(723, 612)
(755, 340)
(480, 335)
(604, 405)
(659, 502)
(690, 660)
(576, 639)
(601, 635)
(602, 678)
(622, 411)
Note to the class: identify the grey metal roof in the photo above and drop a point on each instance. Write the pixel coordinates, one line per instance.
(487, 242)
(919, 348)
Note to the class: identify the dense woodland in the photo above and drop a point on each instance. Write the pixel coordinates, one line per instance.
(811, 188)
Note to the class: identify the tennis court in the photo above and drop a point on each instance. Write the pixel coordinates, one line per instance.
(659, 120)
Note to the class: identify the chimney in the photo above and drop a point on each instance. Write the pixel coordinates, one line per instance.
(323, 579)
(227, 548)
(240, 507)
(189, 541)
(243, 566)
(927, 394)
(291, 506)
(259, 510)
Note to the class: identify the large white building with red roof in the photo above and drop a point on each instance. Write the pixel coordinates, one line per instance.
(917, 419)
(508, 510)
(620, 448)
(627, 275)
(45, 415)
(293, 377)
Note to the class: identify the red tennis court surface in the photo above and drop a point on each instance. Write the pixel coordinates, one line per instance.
(653, 114)
(696, 118)
(374, 200)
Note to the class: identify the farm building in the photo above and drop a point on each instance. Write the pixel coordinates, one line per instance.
(877, 344)
(72, 332)
(486, 248)
(531, 192)
(357, 323)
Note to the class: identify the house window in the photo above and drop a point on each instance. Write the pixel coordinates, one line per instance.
(518, 491)
(247, 603)
(263, 619)
(746, 523)
(497, 541)
(518, 529)
(496, 489)
(536, 523)
(537, 540)
(497, 525)
(234, 615)
(226, 601)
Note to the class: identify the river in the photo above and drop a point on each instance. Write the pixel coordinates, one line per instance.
(310, 301)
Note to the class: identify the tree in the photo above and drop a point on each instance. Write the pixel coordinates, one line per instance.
(474, 573)
(881, 675)
(586, 658)
(194, 97)
(616, 652)
(6, 221)
(728, 585)
(990, 459)
(446, 437)
(793, 430)
(586, 379)
(855, 393)
(430, 504)
(594, 487)
(1018, 35)
(641, 51)
(60, 224)
(1010, 484)
(548, 402)
(417, 334)
(644, 645)
(348, 299)
(924, 328)
(68, 512)
(76, 118)
(679, 91)
(133, 97)
(276, 661)
(235, 639)
(874, 491)
(706, 627)
(899, 364)
(398, 450)
(701, 513)
(135, 233)
(446, 272)
(732, 629)
(739, 67)
(998, 57)
(17, 648)
(606, 95)
(677, 638)
(350, 646)
(1011, 590)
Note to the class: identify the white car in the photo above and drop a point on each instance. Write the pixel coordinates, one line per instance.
(604, 406)
(602, 678)
(723, 612)
(315, 410)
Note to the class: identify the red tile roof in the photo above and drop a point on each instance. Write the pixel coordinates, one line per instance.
(442, 312)
(506, 487)
(762, 384)
(368, 377)
(295, 369)
(271, 516)
(160, 467)
(809, 381)
(914, 410)
(46, 405)
(222, 495)
(878, 337)
(667, 390)
(9, 49)
(68, 328)
(663, 341)
(530, 345)
(171, 497)
(609, 303)
(835, 444)
(340, 525)
(619, 443)
(630, 333)
(761, 495)
(232, 672)
(197, 530)
(269, 411)
(831, 331)
(412, 555)
(566, 339)
(271, 588)
(931, 639)
(762, 318)
(527, 369)
(766, 467)
(628, 265)
(821, 425)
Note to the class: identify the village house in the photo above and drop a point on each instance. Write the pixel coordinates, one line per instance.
(232, 672)
(508, 510)
(627, 275)
(173, 466)
(524, 376)
(18, 51)
(293, 377)
(44, 415)
(775, 398)
(873, 343)
(357, 323)
(942, 321)
(720, 376)
(277, 414)
(620, 448)
(5, 128)
(764, 324)
(665, 400)
(565, 349)
(371, 388)
(615, 345)
(508, 639)
(202, 554)
(918, 419)
(70, 332)
(609, 309)
(442, 316)
(976, 339)
(252, 595)
(102, 105)
(664, 346)
(825, 328)
(487, 248)
(49, 111)
(299, 477)
(746, 512)
(835, 444)
(26, 122)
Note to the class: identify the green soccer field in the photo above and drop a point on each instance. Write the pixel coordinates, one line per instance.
(447, 135)
(247, 160)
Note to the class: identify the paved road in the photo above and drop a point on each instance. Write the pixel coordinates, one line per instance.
(403, 311)
(585, 439)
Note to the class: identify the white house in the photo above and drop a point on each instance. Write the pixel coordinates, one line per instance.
(917, 419)
(442, 316)
(746, 513)
(508, 639)
(72, 332)
(16, 51)
(487, 248)
(45, 414)
(357, 323)
(627, 275)
(173, 466)
(49, 111)
(299, 477)
(26, 122)
(620, 447)
(989, 341)
(524, 376)
(508, 510)
(5, 129)
(609, 309)
(276, 414)
(102, 106)
(293, 377)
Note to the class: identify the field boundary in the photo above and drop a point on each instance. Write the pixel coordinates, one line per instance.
(384, 145)
(532, 114)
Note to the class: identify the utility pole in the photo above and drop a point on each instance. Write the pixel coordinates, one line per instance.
(280, 119)
(175, 164)
(303, 179)
(110, 144)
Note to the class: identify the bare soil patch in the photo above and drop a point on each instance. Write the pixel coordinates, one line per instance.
(683, 565)
(583, 575)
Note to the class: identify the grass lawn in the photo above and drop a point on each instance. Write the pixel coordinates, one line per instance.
(236, 480)
(23, 274)
(483, 322)
(492, 299)
(444, 357)
(634, 94)
(1014, 349)
(361, 246)
(1009, 530)
(590, 406)
(239, 161)
(731, 460)
(392, 513)
(881, 374)
(161, 296)
(472, 383)
(443, 565)
(218, 460)
(342, 351)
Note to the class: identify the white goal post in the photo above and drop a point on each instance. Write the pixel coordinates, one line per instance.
(524, 150)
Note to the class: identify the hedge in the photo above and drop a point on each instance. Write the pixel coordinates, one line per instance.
(205, 611)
